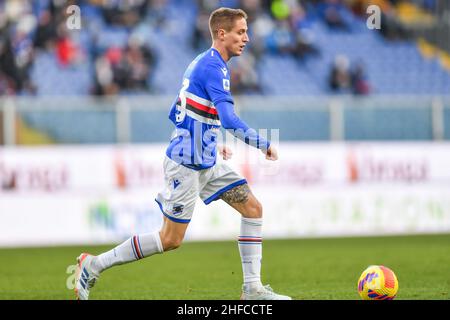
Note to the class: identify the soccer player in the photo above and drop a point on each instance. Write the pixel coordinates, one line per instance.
(203, 104)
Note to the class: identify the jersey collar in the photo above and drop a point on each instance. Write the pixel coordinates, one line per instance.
(215, 50)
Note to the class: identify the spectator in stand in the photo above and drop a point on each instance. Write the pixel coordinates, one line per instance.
(244, 78)
(290, 32)
(6, 85)
(331, 11)
(303, 36)
(157, 12)
(9, 75)
(340, 77)
(261, 29)
(67, 51)
(136, 64)
(127, 69)
(360, 83)
(104, 77)
(46, 31)
(19, 51)
(281, 39)
(391, 27)
(125, 13)
(253, 8)
(200, 36)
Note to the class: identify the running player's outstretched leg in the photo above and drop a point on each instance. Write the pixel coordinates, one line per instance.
(135, 248)
(250, 243)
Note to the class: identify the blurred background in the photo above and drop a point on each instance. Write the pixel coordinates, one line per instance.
(362, 116)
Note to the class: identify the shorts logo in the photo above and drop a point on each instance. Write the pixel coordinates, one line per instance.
(176, 183)
(177, 209)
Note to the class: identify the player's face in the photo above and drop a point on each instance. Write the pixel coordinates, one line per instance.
(237, 38)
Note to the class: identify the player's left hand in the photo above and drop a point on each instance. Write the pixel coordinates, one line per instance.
(271, 154)
(225, 152)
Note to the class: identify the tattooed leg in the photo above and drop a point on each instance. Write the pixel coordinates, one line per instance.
(238, 194)
(243, 200)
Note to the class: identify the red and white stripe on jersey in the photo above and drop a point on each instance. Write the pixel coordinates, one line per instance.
(201, 102)
(200, 109)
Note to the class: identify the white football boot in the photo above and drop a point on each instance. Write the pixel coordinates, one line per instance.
(262, 293)
(85, 277)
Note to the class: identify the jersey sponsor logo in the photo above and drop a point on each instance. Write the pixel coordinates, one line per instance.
(226, 84)
(224, 71)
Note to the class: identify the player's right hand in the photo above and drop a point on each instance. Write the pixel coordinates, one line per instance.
(271, 154)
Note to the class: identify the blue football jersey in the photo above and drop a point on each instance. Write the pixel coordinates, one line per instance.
(206, 83)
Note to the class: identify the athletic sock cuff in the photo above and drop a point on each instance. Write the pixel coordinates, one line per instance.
(158, 242)
(252, 221)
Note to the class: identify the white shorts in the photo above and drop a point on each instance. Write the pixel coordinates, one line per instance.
(184, 185)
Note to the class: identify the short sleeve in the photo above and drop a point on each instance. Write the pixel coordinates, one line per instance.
(217, 84)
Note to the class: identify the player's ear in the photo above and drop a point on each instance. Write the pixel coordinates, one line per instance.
(221, 33)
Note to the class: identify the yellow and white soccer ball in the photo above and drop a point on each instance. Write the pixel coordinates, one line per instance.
(378, 283)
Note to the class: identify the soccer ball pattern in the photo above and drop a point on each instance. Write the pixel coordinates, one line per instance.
(378, 283)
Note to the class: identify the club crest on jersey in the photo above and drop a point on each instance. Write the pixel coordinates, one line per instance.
(226, 84)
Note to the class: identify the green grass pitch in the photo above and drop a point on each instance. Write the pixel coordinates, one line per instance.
(306, 269)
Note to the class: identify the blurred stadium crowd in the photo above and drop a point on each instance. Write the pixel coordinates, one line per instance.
(143, 46)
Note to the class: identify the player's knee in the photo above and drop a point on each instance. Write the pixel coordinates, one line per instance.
(254, 210)
(258, 209)
(171, 243)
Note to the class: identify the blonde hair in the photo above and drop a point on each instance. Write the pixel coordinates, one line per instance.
(224, 18)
